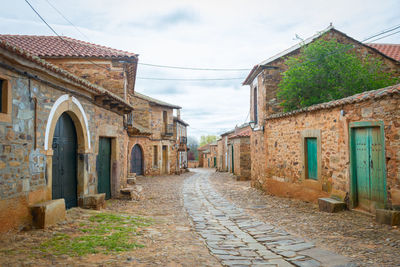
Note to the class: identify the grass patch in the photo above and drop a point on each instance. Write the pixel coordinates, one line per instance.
(104, 233)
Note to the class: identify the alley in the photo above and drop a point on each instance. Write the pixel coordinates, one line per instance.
(236, 238)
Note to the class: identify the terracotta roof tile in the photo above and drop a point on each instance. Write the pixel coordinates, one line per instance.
(391, 50)
(53, 46)
(374, 94)
(156, 101)
(245, 133)
(57, 70)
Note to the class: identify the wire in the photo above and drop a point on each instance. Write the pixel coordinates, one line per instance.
(189, 79)
(190, 68)
(385, 36)
(66, 42)
(59, 12)
(382, 32)
(148, 64)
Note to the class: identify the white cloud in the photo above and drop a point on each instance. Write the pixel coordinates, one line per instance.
(217, 34)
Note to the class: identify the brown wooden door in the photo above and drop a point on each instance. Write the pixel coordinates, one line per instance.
(164, 159)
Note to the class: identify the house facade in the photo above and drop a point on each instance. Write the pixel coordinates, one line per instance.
(153, 147)
(56, 128)
(239, 153)
(180, 133)
(290, 153)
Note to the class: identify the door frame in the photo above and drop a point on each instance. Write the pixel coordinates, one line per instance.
(130, 157)
(112, 148)
(353, 176)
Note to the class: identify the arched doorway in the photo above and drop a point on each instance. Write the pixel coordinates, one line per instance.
(64, 165)
(137, 160)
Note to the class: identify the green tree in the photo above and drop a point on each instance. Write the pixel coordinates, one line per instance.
(192, 144)
(206, 139)
(328, 70)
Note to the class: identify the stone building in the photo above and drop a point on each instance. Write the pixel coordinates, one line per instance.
(153, 147)
(239, 153)
(180, 132)
(222, 152)
(274, 166)
(204, 154)
(56, 127)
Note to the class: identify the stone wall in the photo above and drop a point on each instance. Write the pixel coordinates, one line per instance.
(284, 167)
(24, 170)
(193, 164)
(258, 154)
(112, 75)
(220, 155)
(141, 114)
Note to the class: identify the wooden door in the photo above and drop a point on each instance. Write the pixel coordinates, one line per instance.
(215, 162)
(311, 158)
(233, 162)
(64, 166)
(137, 160)
(164, 159)
(104, 167)
(369, 168)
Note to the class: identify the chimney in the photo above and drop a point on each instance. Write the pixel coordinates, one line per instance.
(178, 114)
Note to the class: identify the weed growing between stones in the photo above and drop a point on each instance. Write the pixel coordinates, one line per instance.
(105, 233)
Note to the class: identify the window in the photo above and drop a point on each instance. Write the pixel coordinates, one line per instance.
(5, 100)
(155, 156)
(311, 158)
(165, 120)
(255, 106)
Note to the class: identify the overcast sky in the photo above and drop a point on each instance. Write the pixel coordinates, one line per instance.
(204, 34)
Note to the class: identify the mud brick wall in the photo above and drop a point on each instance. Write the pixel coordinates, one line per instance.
(284, 162)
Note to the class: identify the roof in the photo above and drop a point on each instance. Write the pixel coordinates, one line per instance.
(54, 46)
(156, 101)
(213, 143)
(181, 121)
(63, 73)
(364, 96)
(391, 50)
(245, 133)
(264, 64)
(141, 129)
(203, 147)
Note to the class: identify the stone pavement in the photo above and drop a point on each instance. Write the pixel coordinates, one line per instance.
(237, 239)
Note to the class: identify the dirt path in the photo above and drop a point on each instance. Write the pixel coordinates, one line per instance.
(348, 233)
(168, 241)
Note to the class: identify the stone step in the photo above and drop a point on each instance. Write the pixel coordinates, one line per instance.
(48, 213)
(132, 193)
(94, 201)
(331, 205)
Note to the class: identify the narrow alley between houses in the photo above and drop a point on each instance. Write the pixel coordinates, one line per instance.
(208, 218)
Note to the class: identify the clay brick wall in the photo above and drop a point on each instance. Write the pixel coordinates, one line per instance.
(23, 178)
(284, 157)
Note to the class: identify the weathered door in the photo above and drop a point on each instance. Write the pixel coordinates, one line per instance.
(312, 172)
(137, 160)
(233, 164)
(368, 167)
(215, 162)
(64, 173)
(104, 167)
(164, 159)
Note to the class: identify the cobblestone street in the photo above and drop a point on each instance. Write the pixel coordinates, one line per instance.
(207, 218)
(238, 239)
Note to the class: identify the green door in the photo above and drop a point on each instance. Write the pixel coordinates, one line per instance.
(215, 162)
(312, 166)
(104, 167)
(368, 168)
(64, 166)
